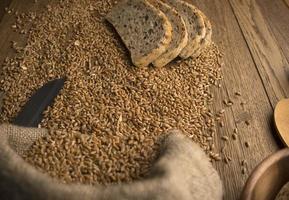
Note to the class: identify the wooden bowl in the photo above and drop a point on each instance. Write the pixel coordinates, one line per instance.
(268, 177)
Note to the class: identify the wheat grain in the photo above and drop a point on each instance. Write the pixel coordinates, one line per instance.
(104, 124)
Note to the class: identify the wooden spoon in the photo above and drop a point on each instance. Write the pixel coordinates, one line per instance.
(281, 118)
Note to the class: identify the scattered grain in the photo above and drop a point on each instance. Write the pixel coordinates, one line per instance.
(228, 102)
(8, 10)
(247, 144)
(229, 158)
(223, 149)
(238, 94)
(215, 156)
(243, 162)
(222, 111)
(221, 124)
(243, 103)
(226, 159)
(225, 138)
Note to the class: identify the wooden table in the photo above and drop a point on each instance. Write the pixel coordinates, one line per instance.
(254, 36)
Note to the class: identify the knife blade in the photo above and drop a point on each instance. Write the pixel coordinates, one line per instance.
(32, 112)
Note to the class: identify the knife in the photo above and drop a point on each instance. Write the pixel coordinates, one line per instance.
(32, 112)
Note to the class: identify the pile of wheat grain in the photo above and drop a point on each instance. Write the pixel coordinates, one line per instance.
(105, 123)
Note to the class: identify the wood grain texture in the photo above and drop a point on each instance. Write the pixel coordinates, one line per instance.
(276, 13)
(269, 58)
(240, 74)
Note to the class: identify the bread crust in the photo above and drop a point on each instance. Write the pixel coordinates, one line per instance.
(179, 34)
(206, 41)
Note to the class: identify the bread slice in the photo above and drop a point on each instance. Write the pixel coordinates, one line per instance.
(179, 34)
(206, 41)
(194, 22)
(145, 30)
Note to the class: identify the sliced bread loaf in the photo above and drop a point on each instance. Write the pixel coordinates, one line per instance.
(194, 23)
(179, 34)
(145, 30)
(207, 39)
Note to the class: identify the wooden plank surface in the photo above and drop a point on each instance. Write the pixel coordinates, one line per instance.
(276, 13)
(253, 65)
(240, 74)
(267, 55)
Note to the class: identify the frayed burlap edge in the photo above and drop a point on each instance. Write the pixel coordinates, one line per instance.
(182, 172)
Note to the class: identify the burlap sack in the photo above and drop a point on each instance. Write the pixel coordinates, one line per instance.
(182, 172)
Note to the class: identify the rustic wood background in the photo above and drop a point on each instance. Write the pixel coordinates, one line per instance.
(254, 37)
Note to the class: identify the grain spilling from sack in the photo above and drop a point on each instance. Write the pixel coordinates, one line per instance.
(105, 123)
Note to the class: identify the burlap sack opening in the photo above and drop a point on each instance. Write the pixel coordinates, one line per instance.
(182, 172)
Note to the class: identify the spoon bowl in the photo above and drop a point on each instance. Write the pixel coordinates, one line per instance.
(281, 118)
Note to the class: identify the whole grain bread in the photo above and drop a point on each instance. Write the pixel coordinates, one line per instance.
(179, 34)
(145, 30)
(206, 41)
(194, 22)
